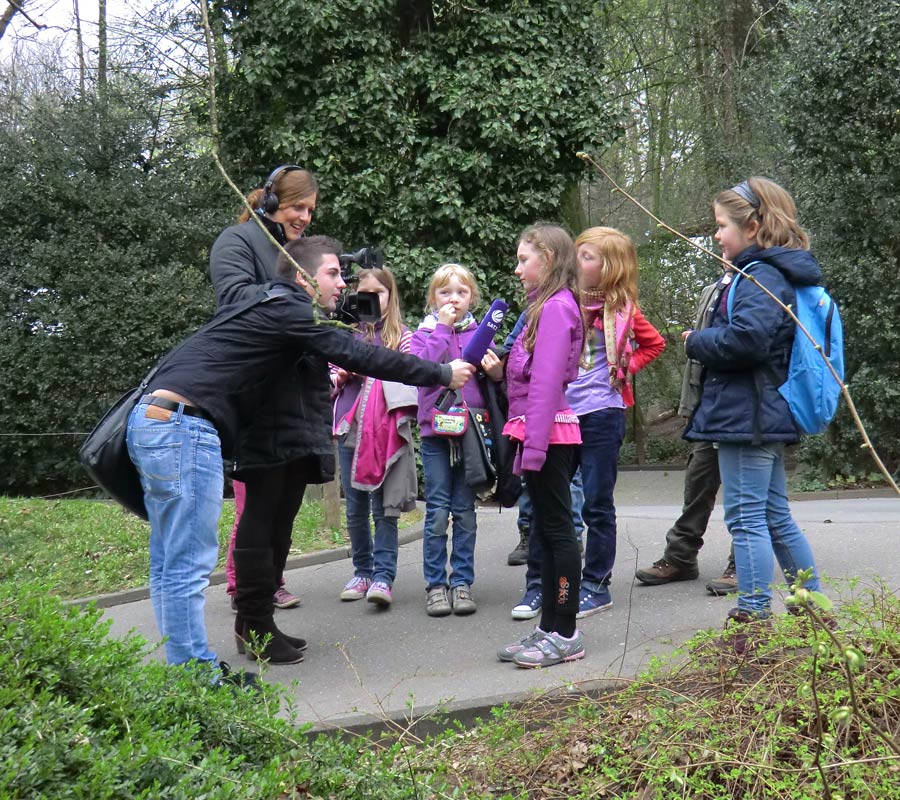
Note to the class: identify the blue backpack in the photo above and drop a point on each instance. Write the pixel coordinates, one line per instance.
(811, 391)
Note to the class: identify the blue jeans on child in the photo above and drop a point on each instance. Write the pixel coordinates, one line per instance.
(602, 434)
(446, 494)
(376, 560)
(759, 520)
(180, 466)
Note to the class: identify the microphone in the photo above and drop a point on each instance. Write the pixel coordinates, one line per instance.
(474, 351)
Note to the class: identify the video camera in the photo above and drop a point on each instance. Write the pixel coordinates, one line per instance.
(359, 306)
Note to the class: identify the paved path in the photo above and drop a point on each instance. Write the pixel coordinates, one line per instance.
(365, 663)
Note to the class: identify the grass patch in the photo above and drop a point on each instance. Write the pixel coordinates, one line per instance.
(808, 712)
(79, 548)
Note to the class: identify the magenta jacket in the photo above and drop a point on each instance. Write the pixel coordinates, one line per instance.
(536, 382)
(441, 343)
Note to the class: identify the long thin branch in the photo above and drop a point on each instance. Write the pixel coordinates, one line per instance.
(304, 278)
(867, 443)
(19, 7)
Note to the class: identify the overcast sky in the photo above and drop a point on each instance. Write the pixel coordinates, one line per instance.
(59, 16)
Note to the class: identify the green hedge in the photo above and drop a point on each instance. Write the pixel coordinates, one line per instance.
(81, 716)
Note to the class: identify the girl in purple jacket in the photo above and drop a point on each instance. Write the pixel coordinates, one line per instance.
(542, 362)
(441, 337)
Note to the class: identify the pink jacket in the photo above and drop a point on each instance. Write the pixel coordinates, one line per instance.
(536, 382)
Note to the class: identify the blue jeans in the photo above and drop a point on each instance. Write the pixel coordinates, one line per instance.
(180, 465)
(760, 522)
(379, 562)
(446, 493)
(602, 434)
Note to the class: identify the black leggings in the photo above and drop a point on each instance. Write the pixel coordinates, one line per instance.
(274, 496)
(551, 520)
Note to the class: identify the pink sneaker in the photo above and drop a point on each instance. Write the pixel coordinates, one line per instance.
(356, 588)
(284, 599)
(380, 594)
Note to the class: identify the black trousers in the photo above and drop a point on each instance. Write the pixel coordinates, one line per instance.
(552, 521)
(274, 496)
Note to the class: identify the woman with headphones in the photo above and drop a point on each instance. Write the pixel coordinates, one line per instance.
(274, 459)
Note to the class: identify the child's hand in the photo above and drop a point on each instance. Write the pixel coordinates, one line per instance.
(492, 366)
(684, 336)
(447, 314)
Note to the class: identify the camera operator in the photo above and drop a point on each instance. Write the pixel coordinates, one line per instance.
(241, 264)
(198, 405)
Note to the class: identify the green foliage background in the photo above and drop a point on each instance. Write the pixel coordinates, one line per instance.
(839, 102)
(436, 130)
(102, 268)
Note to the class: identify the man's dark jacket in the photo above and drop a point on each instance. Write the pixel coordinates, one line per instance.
(241, 266)
(233, 370)
(746, 360)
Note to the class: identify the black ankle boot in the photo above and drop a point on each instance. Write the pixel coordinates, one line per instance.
(276, 650)
(255, 585)
(293, 641)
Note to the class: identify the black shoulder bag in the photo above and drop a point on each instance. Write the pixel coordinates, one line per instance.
(104, 454)
(509, 486)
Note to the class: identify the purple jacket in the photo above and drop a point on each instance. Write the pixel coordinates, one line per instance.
(441, 343)
(539, 394)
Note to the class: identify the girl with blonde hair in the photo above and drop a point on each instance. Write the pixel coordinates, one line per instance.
(441, 337)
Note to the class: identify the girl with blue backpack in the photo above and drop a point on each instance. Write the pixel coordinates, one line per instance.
(746, 352)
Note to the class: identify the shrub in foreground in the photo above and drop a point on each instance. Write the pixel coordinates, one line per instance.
(82, 716)
(812, 710)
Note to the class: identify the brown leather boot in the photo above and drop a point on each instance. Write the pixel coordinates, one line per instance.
(664, 571)
(519, 554)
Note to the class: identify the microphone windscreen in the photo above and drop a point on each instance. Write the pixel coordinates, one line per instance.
(477, 346)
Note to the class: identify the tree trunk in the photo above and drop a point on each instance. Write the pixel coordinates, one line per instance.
(8, 15)
(102, 52)
(79, 46)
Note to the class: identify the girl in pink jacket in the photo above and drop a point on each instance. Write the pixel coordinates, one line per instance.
(542, 363)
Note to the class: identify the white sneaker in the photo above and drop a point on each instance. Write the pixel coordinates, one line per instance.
(529, 606)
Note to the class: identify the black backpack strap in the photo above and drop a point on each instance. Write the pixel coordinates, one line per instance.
(215, 322)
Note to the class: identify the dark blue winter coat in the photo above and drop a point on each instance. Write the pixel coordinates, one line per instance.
(746, 360)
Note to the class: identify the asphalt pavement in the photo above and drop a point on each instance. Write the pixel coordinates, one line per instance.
(365, 665)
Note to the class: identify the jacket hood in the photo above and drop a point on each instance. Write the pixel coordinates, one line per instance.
(798, 266)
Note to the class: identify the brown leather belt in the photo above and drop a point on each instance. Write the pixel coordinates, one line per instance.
(172, 405)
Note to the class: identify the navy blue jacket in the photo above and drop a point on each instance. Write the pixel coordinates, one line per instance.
(746, 360)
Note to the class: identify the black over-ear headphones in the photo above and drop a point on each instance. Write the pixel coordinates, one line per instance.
(270, 201)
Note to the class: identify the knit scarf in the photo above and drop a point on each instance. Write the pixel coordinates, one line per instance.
(617, 337)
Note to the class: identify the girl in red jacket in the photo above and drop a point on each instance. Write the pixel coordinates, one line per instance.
(621, 342)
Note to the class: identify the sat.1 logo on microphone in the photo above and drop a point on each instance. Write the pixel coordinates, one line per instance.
(497, 316)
